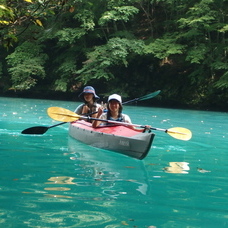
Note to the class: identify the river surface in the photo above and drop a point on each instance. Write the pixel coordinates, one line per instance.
(52, 180)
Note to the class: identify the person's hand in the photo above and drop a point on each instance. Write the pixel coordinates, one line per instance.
(101, 109)
(85, 109)
(146, 128)
(103, 105)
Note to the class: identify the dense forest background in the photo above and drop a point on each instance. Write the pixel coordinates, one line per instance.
(53, 48)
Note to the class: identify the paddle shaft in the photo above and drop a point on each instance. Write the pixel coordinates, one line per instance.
(178, 133)
(122, 123)
(145, 97)
(56, 125)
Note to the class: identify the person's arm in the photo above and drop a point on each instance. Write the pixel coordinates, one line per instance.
(95, 110)
(127, 119)
(85, 109)
(96, 123)
(78, 110)
(147, 127)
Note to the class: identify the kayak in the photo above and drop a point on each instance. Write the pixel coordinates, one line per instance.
(117, 138)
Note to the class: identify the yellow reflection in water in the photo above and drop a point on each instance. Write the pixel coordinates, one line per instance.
(177, 167)
(61, 180)
(57, 189)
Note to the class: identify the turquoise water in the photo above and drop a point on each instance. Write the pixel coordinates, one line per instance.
(52, 180)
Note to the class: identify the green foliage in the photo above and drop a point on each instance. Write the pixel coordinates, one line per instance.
(138, 45)
(224, 29)
(115, 53)
(27, 65)
(67, 36)
(66, 68)
(86, 17)
(197, 53)
(223, 81)
(163, 48)
(6, 15)
(122, 13)
(200, 14)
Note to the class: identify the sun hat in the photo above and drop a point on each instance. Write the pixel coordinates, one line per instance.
(88, 89)
(115, 97)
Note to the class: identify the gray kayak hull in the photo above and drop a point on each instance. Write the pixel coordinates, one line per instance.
(120, 139)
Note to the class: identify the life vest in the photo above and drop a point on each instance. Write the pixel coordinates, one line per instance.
(119, 119)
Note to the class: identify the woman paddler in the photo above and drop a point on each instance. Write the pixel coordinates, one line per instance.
(114, 113)
(90, 105)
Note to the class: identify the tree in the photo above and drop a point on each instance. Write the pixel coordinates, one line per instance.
(118, 45)
(27, 63)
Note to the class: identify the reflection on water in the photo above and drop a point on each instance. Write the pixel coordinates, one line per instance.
(177, 167)
(63, 218)
(203, 170)
(60, 180)
(105, 173)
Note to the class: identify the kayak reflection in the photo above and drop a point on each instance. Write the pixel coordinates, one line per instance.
(113, 174)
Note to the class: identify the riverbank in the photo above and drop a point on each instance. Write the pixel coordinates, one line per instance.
(161, 101)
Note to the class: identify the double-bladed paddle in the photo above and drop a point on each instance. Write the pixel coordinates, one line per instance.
(145, 97)
(62, 114)
(39, 130)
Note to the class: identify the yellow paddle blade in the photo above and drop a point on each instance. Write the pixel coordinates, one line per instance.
(180, 133)
(62, 114)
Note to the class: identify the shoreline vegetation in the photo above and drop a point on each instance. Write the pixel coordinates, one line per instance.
(52, 49)
(73, 97)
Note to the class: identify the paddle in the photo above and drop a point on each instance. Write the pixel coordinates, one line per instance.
(39, 130)
(145, 97)
(62, 114)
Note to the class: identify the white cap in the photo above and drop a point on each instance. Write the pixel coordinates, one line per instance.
(115, 97)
